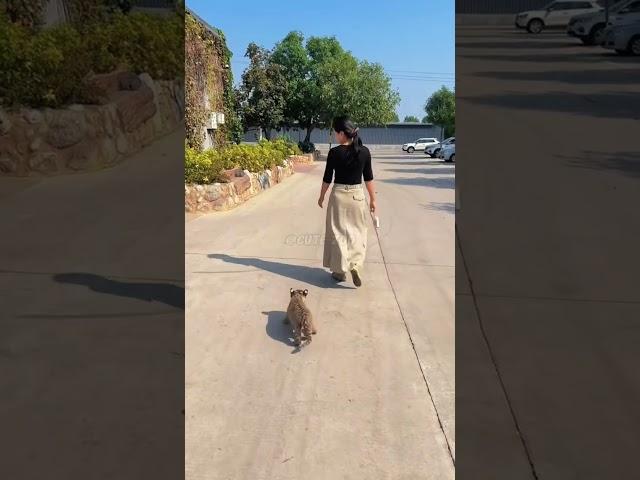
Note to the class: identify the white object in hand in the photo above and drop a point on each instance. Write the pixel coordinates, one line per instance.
(377, 221)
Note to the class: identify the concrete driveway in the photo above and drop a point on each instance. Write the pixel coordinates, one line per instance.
(91, 329)
(373, 395)
(547, 305)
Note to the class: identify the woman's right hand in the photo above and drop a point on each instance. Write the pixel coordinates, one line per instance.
(320, 201)
(372, 205)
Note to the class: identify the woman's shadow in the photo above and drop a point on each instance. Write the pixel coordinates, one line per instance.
(279, 330)
(315, 276)
(167, 293)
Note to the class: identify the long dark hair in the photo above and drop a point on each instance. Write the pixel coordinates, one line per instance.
(344, 124)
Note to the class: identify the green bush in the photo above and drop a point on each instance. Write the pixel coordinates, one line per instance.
(286, 146)
(207, 166)
(204, 167)
(43, 69)
(142, 42)
(46, 68)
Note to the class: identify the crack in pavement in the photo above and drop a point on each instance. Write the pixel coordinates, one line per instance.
(413, 346)
(494, 362)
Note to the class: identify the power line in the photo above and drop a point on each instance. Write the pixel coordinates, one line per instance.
(419, 72)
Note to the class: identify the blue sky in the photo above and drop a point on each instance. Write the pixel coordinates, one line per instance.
(412, 39)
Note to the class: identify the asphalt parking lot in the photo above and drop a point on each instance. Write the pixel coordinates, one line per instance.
(523, 293)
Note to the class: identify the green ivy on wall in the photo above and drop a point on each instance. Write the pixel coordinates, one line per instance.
(208, 76)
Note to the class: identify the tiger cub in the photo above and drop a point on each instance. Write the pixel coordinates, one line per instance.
(299, 316)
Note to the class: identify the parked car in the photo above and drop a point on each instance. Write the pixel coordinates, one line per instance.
(628, 13)
(419, 144)
(555, 15)
(623, 38)
(434, 150)
(589, 27)
(448, 152)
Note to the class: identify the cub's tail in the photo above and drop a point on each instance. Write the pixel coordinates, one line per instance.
(305, 327)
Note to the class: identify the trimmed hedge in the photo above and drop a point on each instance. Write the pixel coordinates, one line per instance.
(47, 68)
(207, 166)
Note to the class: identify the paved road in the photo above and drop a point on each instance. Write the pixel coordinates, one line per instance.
(91, 329)
(372, 396)
(562, 120)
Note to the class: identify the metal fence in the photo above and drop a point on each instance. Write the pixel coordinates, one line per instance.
(395, 134)
(498, 6)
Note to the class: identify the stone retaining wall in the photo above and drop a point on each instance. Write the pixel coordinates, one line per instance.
(304, 158)
(242, 186)
(133, 111)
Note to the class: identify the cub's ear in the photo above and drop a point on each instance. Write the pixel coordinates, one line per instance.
(291, 290)
(306, 292)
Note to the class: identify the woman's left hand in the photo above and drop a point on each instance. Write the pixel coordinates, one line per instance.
(320, 201)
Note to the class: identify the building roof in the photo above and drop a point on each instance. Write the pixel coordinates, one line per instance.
(407, 124)
(205, 24)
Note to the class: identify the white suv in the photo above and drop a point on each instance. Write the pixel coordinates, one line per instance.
(434, 150)
(629, 13)
(448, 152)
(589, 27)
(419, 144)
(554, 15)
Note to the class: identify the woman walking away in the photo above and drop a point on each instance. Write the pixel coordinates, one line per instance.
(345, 240)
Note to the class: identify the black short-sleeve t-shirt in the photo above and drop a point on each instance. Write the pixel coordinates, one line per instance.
(349, 170)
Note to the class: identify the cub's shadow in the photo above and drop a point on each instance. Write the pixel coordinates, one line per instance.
(278, 330)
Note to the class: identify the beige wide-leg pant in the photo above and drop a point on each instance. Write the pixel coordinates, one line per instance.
(345, 240)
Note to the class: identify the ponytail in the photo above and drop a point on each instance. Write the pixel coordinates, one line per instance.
(344, 124)
(356, 141)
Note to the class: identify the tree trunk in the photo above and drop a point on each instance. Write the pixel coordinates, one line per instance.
(267, 133)
(307, 137)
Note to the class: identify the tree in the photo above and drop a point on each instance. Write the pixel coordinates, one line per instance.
(425, 119)
(261, 94)
(411, 119)
(441, 110)
(323, 80)
(375, 101)
(291, 54)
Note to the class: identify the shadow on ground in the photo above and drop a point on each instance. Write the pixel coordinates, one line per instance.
(438, 182)
(517, 44)
(600, 105)
(449, 169)
(167, 293)
(551, 58)
(595, 77)
(277, 329)
(447, 207)
(419, 163)
(483, 33)
(626, 163)
(315, 276)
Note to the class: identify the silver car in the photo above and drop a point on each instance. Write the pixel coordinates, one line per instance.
(434, 150)
(624, 39)
(589, 27)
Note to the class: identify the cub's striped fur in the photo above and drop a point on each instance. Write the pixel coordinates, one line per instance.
(299, 316)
